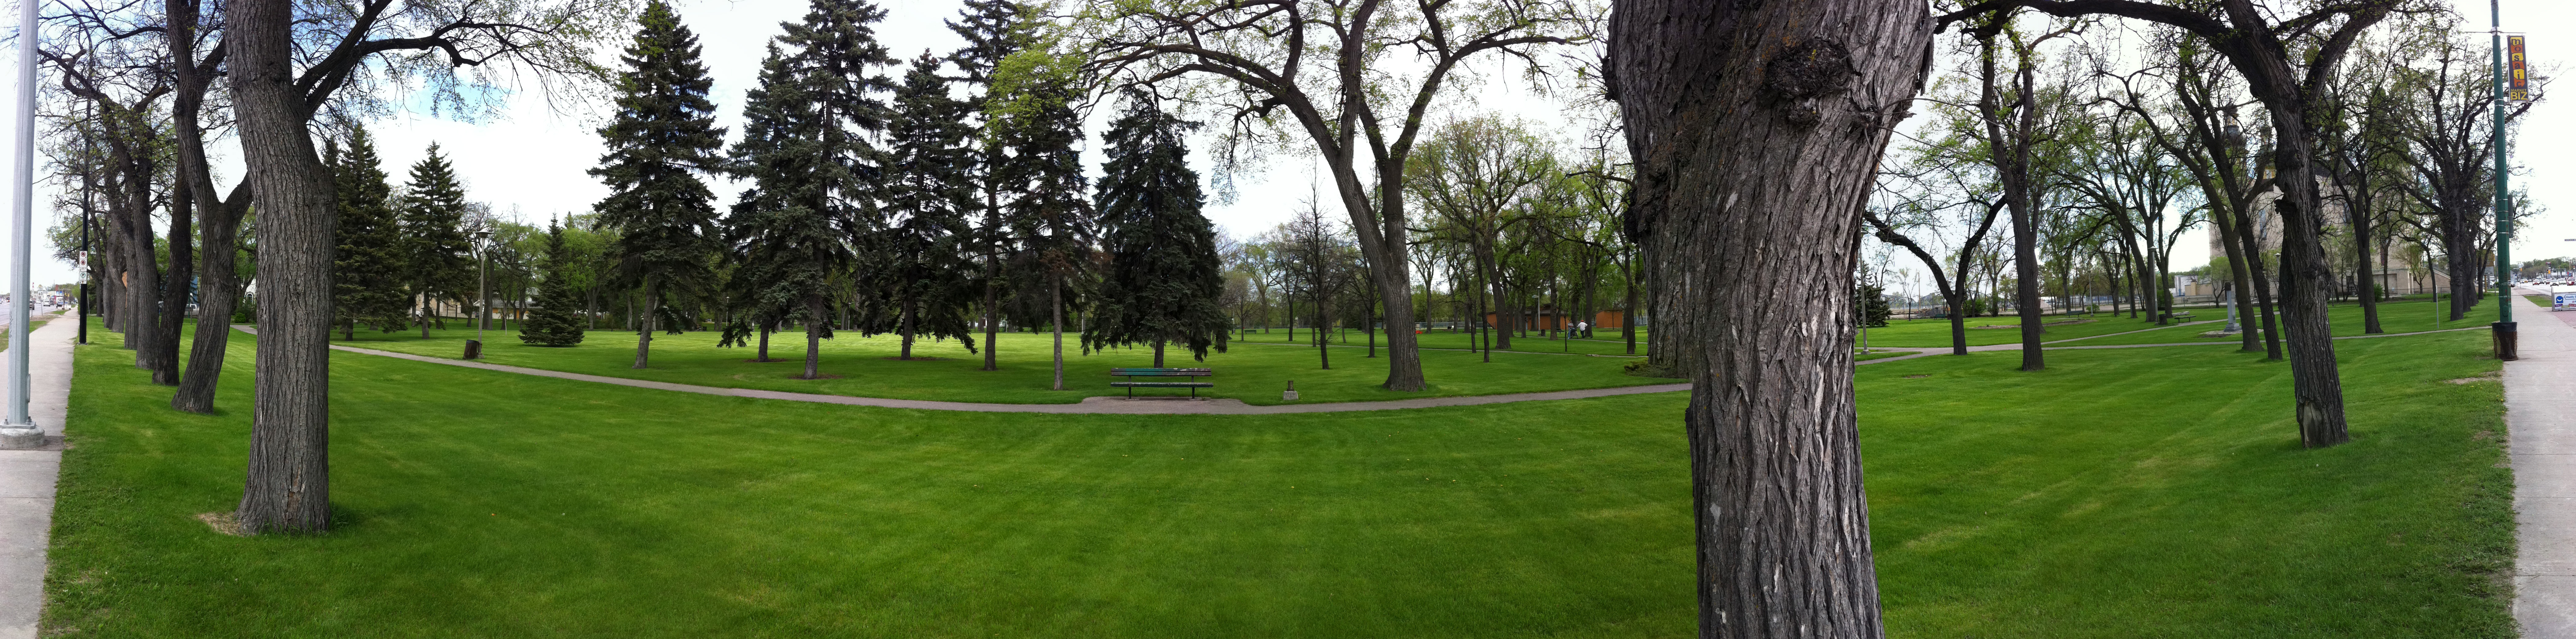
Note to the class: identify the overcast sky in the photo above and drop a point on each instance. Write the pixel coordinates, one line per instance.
(530, 163)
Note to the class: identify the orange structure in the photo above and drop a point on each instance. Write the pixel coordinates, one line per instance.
(1549, 319)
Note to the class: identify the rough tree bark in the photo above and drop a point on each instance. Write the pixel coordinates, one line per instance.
(289, 476)
(1757, 130)
(813, 339)
(644, 338)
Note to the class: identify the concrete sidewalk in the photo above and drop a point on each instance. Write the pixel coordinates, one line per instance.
(2540, 408)
(27, 481)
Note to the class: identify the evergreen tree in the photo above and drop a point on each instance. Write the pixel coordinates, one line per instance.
(836, 56)
(367, 274)
(664, 135)
(438, 258)
(787, 237)
(916, 256)
(1870, 306)
(556, 321)
(993, 29)
(1033, 114)
(1164, 274)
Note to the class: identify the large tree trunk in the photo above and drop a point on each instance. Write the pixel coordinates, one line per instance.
(2244, 283)
(219, 219)
(905, 329)
(992, 319)
(813, 340)
(142, 285)
(2365, 276)
(1753, 181)
(644, 338)
(1323, 343)
(1507, 313)
(2245, 234)
(289, 484)
(2315, 384)
(1628, 317)
(175, 289)
(1055, 304)
(2460, 244)
(2026, 288)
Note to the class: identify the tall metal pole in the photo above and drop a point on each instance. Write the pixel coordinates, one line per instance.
(87, 272)
(19, 431)
(2505, 337)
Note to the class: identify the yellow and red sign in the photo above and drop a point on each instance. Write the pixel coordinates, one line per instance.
(2517, 79)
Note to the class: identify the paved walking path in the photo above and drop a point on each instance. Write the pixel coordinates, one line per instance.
(27, 481)
(1091, 405)
(2540, 409)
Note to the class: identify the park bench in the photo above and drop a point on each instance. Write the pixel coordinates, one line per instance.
(1132, 373)
(2182, 316)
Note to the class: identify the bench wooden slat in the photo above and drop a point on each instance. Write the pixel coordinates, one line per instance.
(1133, 373)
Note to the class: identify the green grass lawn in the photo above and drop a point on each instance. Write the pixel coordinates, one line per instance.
(1254, 372)
(1602, 342)
(2415, 316)
(2162, 492)
(1935, 333)
(2120, 493)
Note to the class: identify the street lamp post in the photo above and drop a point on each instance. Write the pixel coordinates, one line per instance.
(2505, 338)
(20, 430)
(483, 301)
(87, 272)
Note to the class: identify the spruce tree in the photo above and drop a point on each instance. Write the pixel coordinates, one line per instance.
(556, 321)
(367, 275)
(438, 258)
(1164, 274)
(916, 255)
(789, 240)
(1870, 306)
(1033, 114)
(663, 136)
(837, 59)
(993, 29)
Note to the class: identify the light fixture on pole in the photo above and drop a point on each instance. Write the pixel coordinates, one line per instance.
(2505, 338)
(474, 347)
(20, 430)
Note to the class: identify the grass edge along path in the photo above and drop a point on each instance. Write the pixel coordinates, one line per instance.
(859, 366)
(1164, 405)
(474, 504)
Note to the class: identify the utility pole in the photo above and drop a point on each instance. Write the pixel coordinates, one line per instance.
(88, 271)
(20, 431)
(483, 309)
(2505, 338)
